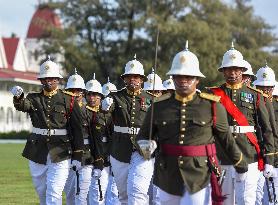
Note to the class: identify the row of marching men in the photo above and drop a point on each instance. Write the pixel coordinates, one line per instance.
(171, 140)
(95, 182)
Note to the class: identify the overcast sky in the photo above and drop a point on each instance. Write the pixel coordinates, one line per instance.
(15, 15)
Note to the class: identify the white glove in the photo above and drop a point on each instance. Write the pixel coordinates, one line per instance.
(147, 147)
(106, 103)
(268, 170)
(76, 164)
(17, 91)
(96, 173)
(241, 176)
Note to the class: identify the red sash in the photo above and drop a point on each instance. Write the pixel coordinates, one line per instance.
(241, 120)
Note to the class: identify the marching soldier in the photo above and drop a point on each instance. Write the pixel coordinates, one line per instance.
(266, 82)
(56, 135)
(248, 76)
(169, 85)
(153, 85)
(246, 113)
(128, 108)
(184, 124)
(104, 190)
(78, 182)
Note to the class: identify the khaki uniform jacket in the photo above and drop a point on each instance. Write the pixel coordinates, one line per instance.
(188, 123)
(128, 110)
(52, 112)
(251, 103)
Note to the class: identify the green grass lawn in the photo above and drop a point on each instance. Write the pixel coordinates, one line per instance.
(15, 182)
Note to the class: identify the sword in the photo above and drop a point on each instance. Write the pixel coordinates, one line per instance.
(268, 191)
(222, 177)
(273, 190)
(100, 191)
(77, 180)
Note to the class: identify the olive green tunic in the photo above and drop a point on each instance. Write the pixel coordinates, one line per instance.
(188, 123)
(52, 112)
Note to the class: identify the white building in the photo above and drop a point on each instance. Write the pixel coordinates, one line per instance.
(19, 65)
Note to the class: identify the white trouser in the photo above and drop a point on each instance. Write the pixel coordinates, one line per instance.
(98, 188)
(133, 179)
(240, 192)
(112, 194)
(85, 174)
(262, 189)
(156, 198)
(49, 180)
(202, 197)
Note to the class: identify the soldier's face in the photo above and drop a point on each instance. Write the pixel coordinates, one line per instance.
(78, 92)
(233, 75)
(93, 99)
(266, 89)
(185, 85)
(133, 82)
(49, 84)
(246, 79)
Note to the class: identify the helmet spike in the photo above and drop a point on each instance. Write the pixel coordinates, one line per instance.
(266, 63)
(186, 45)
(108, 80)
(152, 70)
(232, 45)
(75, 71)
(94, 76)
(135, 56)
(48, 57)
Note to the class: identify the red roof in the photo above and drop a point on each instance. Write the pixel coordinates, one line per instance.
(10, 46)
(42, 21)
(12, 74)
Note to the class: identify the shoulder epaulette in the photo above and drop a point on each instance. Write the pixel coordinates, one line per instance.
(210, 97)
(69, 93)
(255, 89)
(163, 97)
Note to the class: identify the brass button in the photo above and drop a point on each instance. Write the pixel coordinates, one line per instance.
(234, 100)
(183, 122)
(182, 136)
(132, 118)
(48, 105)
(183, 110)
(132, 122)
(183, 104)
(235, 95)
(183, 116)
(164, 123)
(133, 104)
(133, 113)
(235, 136)
(47, 120)
(234, 91)
(183, 129)
(133, 108)
(234, 120)
(47, 139)
(181, 142)
(181, 162)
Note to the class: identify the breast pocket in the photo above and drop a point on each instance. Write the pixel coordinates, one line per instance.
(59, 113)
(167, 128)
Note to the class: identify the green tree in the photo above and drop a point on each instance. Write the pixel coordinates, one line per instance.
(102, 35)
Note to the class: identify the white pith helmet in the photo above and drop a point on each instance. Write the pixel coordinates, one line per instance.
(49, 69)
(185, 63)
(232, 58)
(153, 82)
(249, 69)
(275, 91)
(108, 87)
(265, 77)
(134, 67)
(94, 86)
(169, 84)
(75, 81)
